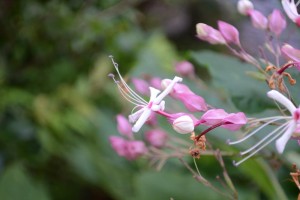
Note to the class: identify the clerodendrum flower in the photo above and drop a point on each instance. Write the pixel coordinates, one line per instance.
(290, 8)
(155, 103)
(281, 134)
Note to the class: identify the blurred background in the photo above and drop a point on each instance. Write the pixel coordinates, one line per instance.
(58, 107)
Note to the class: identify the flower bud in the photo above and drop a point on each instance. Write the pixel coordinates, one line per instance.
(277, 22)
(209, 34)
(185, 68)
(192, 102)
(124, 127)
(118, 144)
(135, 149)
(183, 124)
(155, 82)
(229, 32)
(141, 86)
(244, 6)
(258, 20)
(156, 137)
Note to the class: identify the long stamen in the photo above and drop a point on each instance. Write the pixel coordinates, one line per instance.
(125, 93)
(124, 82)
(130, 98)
(264, 139)
(261, 147)
(254, 132)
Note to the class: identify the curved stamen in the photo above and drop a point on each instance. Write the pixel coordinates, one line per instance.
(130, 98)
(254, 132)
(261, 147)
(132, 92)
(264, 139)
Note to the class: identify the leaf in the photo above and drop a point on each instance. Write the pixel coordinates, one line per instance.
(230, 75)
(15, 183)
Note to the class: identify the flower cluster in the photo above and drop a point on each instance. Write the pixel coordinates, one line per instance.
(273, 70)
(272, 26)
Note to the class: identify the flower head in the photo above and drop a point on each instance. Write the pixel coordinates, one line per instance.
(209, 34)
(244, 7)
(154, 104)
(277, 22)
(183, 124)
(281, 134)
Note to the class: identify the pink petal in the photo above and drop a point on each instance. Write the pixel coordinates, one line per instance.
(213, 116)
(237, 119)
(185, 68)
(229, 32)
(192, 102)
(135, 149)
(277, 22)
(258, 19)
(141, 86)
(118, 144)
(156, 137)
(124, 127)
(291, 53)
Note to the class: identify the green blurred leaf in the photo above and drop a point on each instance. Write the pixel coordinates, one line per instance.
(230, 75)
(15, 183)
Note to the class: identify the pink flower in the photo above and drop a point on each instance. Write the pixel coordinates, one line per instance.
(229, 33)
(290, 8)
(141, 86)
(129, 149)
(119, 145)
(156, 137)
(185, 68)
(155, 82)
(124, 127)
(209, 34)
(277, 22)
(258, 20)
(213, 116)
(135, 149)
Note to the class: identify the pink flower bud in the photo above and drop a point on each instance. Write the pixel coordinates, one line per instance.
(118, 144)
(135, 149)
(192, 102)
(141, 86)
(156, 137)
(291, 53)
(124, 127)
(236, 120)
(183, 124)
(209, 34)
(185, 68)
(244, 7)
(155, 82)
(277, 22)
(258, 20)
(229, 32)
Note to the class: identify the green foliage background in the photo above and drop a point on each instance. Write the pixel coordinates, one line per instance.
(57, 106)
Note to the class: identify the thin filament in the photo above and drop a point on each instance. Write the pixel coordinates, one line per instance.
(254, 132)
(265, 138)
(261, 147)
(124, 83)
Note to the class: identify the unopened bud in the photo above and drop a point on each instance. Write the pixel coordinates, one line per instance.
(185, 68)
(183, 124)
(244, 6)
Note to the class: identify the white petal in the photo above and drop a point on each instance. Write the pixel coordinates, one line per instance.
(277, 96)
(141, 121)
(134, 116)
(167, 90)
(281, 142)
(290, 9)
(153, 93)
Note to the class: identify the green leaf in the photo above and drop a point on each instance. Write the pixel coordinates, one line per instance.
(231, 77)
(15, 183)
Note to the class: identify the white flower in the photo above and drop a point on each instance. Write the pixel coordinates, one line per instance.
(290, 8)
(281, 134)
(155, 103)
